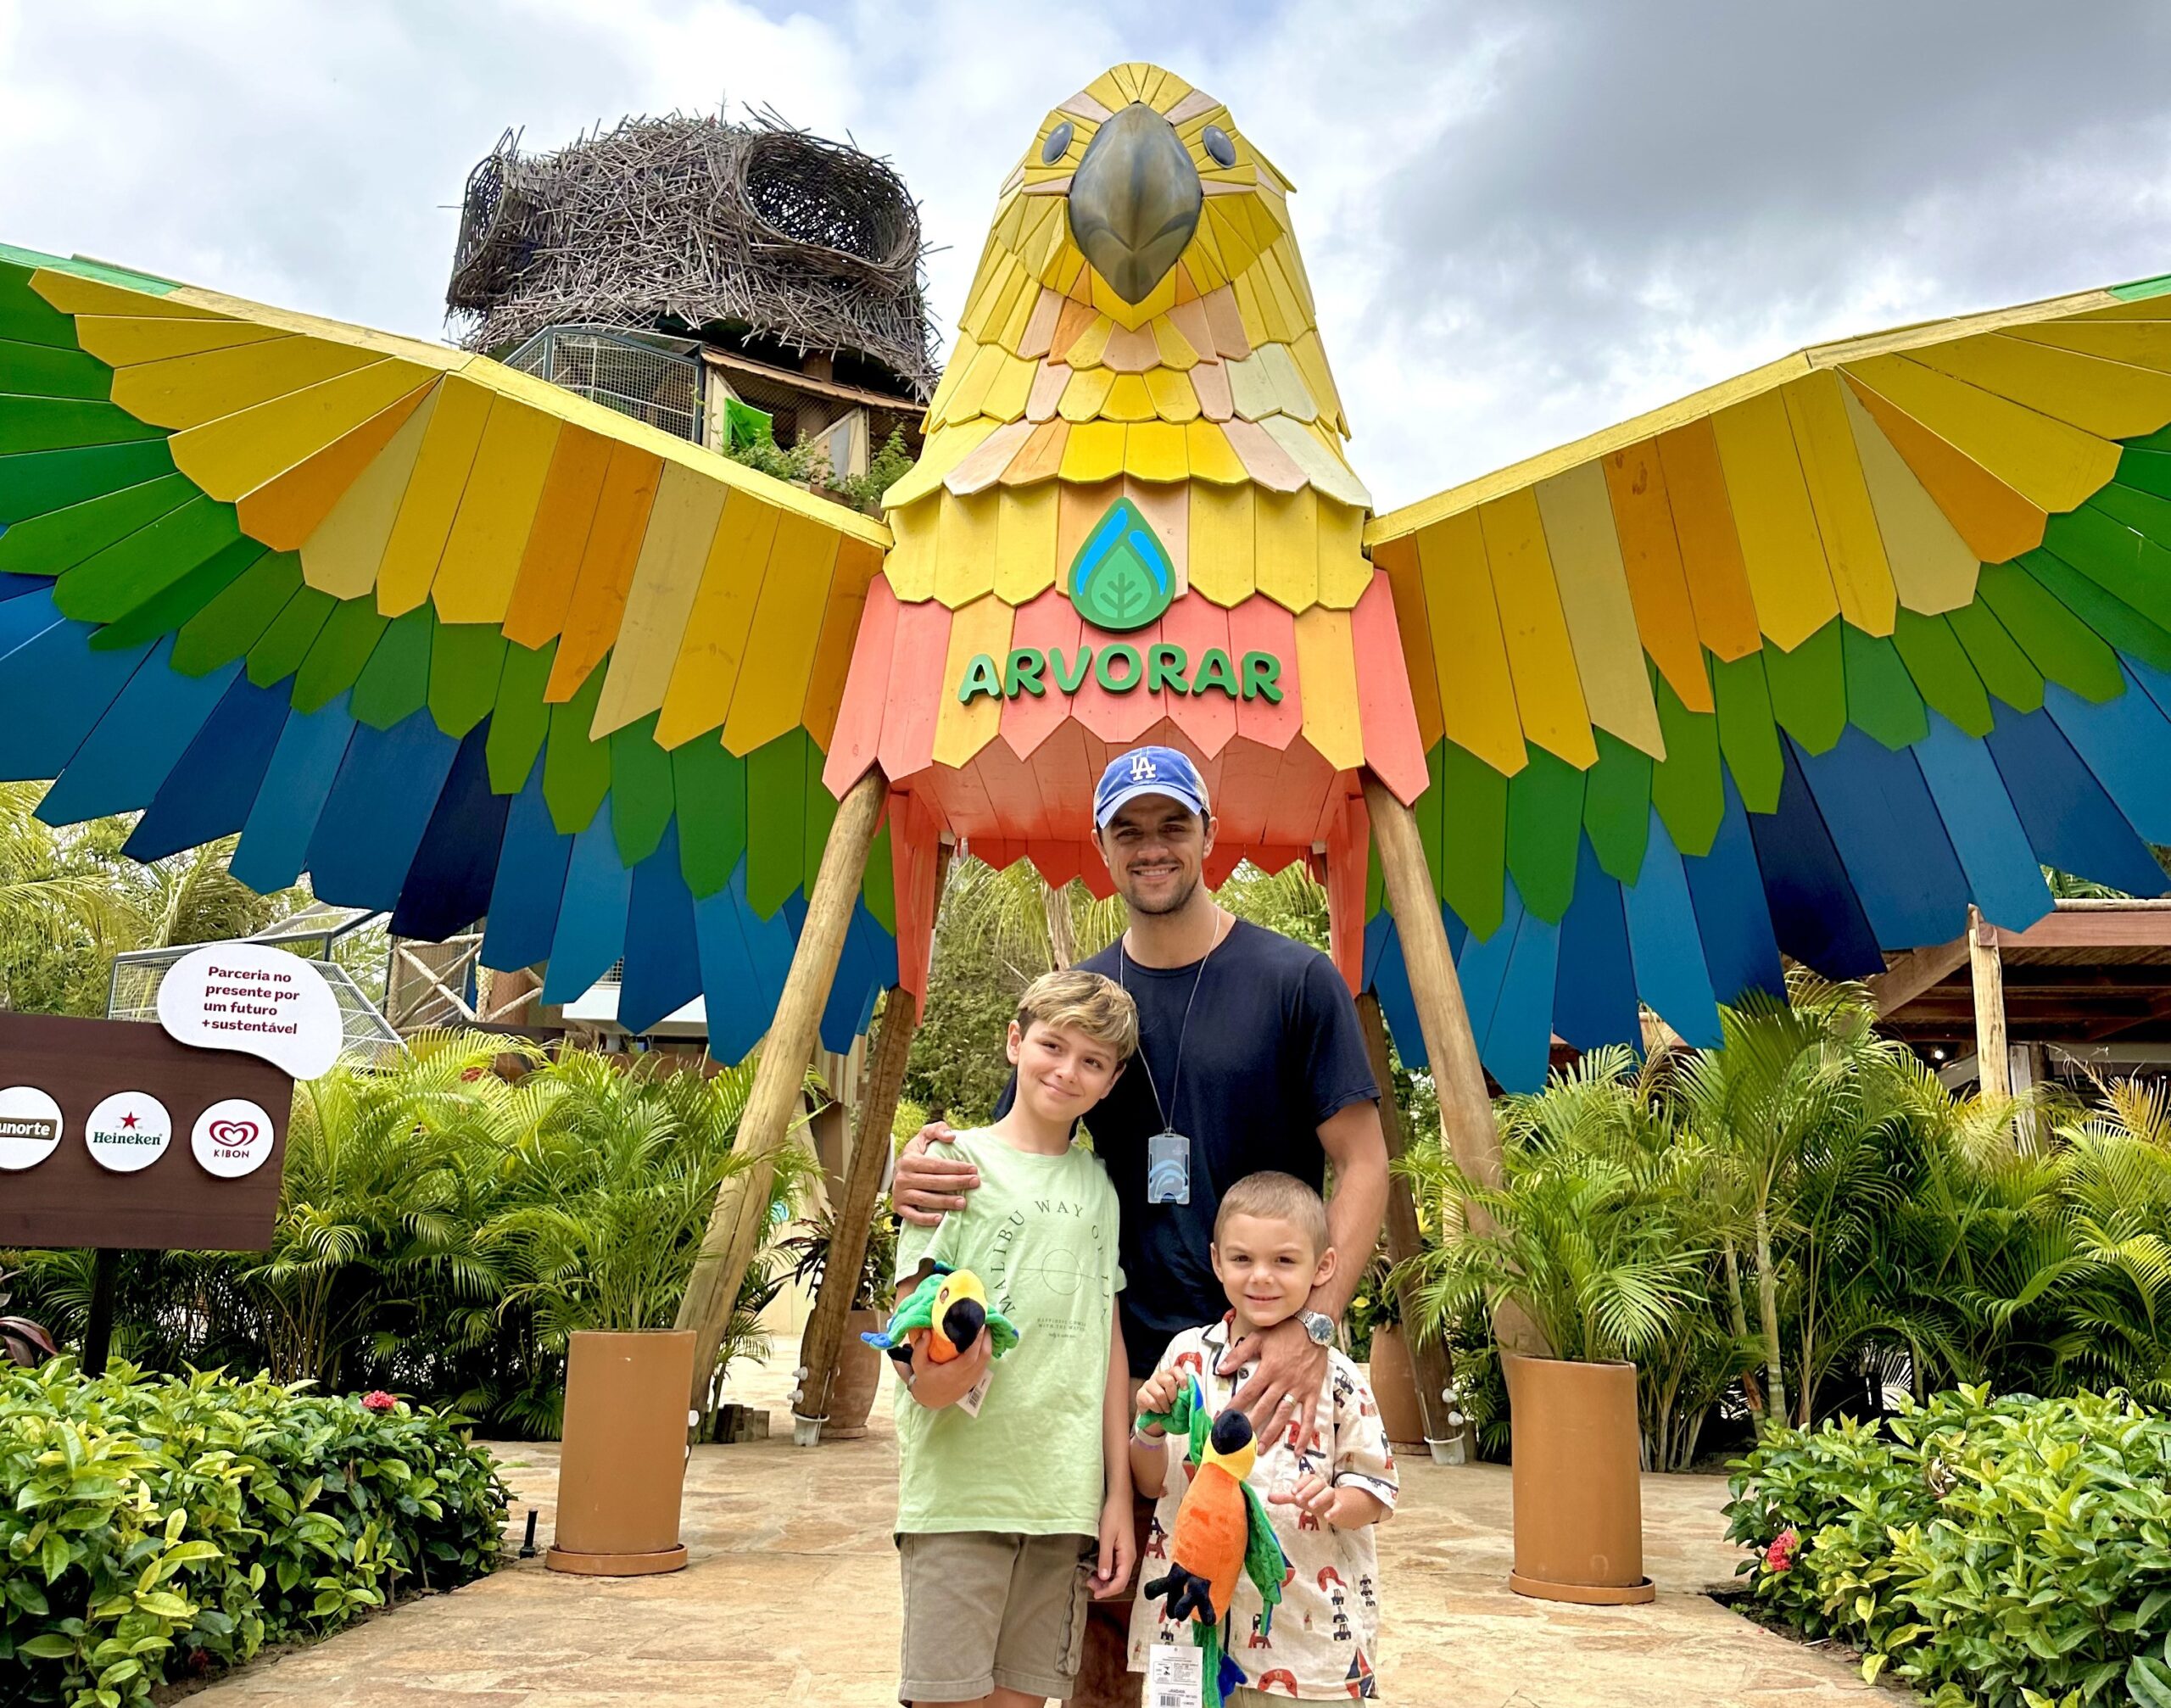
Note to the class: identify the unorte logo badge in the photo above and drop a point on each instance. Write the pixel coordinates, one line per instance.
(232, 1138)
(30, 1127)
(128, 1131)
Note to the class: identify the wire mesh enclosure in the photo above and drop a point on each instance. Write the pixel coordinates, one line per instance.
(644, 375)
(317, 934)
(696, 222)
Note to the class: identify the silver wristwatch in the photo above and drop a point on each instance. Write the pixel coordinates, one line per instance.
(1318, 1326)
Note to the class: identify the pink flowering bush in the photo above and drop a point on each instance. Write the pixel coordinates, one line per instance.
(2001, 1551)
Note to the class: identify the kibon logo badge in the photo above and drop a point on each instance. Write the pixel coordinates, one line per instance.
(232, 1138)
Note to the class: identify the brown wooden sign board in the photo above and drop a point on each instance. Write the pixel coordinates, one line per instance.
(174, 1204)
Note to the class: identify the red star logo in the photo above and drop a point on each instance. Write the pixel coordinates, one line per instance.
(128, 1120)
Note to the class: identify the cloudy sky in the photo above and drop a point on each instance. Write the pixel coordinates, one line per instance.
(1523, 221)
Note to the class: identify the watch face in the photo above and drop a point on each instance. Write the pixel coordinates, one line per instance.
(1320, 1325)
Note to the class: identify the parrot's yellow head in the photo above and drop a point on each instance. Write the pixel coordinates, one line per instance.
(1158, 200)
(959, 1313)
(1231, 1444)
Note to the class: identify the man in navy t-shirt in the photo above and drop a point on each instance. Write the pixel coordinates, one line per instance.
(1250, 1056)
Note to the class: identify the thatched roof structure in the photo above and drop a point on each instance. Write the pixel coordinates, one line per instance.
(693, 223)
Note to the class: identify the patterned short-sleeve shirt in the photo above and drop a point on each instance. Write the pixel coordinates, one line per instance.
(1322, 1642)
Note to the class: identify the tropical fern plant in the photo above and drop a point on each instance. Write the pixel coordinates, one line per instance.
(1587, 1238)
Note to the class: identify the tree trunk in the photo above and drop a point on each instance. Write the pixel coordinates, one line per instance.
(735, 1227)
(1062, 930)
(1739, 1319)
(1767, 1306)
(883, 1083)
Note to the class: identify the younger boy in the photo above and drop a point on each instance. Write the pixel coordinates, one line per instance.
(1013, 1498)
(1270, 1249)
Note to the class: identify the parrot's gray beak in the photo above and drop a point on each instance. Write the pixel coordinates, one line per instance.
(1135, 201)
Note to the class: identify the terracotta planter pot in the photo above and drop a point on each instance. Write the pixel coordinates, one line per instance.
(1578, 1489)
(1394, 1385)
(623, 1464)
(858, 1380)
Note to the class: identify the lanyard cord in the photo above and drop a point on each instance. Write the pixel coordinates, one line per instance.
(1176, 1076)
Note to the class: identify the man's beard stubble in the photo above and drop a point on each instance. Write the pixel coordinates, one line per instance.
(1181, 900)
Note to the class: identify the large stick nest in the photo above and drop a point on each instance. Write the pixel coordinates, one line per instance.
(699, 222)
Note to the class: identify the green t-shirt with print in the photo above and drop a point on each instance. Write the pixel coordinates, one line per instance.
(1041, 1233)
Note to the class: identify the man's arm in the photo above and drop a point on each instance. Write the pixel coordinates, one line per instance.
(1357, 1145)
(1292, 1366)
(926, 1186)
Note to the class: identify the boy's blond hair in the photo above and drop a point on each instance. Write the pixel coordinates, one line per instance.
(1279, 1197)
(1084, 1002)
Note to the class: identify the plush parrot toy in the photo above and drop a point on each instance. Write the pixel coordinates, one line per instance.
(1803, 665)
(1221, 1533)
(952, 1306)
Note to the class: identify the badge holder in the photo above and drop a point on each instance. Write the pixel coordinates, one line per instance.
(1168, 1169)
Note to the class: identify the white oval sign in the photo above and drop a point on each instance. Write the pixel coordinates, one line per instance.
(30, 1127)
(232, 1138)
(258, 1000)
(127, 1131)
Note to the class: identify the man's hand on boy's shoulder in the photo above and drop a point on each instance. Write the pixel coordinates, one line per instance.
(927, 1185)
(1292, 1366)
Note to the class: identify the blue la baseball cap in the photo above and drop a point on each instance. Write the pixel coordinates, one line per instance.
(1148, 771)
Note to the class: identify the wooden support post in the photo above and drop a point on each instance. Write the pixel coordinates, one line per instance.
(1428, 1358)
(1993, 1072)
(734, 1227)
(1465, 1108)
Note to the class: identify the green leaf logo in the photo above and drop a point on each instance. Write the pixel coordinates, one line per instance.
(1122, 578)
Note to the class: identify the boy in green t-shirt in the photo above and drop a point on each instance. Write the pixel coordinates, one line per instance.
(1013, 1485)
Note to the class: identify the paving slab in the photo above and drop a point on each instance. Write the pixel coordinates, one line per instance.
(791, 1598)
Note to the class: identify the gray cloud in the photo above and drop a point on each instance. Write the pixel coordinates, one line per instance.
(1523, 221)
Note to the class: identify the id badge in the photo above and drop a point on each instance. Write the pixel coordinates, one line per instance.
(1175, 1675)
(1168, 1169)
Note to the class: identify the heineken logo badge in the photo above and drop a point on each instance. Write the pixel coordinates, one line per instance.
(1122, 576)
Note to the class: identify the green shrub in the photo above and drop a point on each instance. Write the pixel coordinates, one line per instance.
(154, 1528)
(2015, 1551)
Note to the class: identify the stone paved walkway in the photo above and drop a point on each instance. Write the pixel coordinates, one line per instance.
(791, 1598)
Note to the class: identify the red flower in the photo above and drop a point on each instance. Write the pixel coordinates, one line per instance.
(1780, 1555)
(377, 1400)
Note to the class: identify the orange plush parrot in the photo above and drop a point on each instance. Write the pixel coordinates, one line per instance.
(1221, 1533)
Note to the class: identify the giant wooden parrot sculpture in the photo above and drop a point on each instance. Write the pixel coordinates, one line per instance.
(1801, 665)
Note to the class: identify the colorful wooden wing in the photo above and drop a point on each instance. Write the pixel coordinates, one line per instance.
(451, 640)
(1801, 665)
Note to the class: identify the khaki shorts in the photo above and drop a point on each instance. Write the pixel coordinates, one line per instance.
(983, 1608)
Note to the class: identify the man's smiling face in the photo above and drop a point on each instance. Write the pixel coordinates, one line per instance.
(1155, 848)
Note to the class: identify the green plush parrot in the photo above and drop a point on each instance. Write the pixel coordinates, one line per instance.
(952, 1305)
(1221, 1531)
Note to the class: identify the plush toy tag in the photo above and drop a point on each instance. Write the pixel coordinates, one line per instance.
(975, 1397)
(1174, 1678)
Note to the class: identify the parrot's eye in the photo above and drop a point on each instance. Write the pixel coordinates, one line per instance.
(1057, 144)
(1219, 145)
